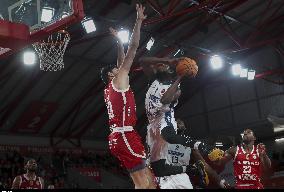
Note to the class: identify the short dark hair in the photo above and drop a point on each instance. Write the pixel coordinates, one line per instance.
(249, 130)
(104, 73)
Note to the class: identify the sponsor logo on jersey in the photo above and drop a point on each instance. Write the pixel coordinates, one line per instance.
(175, 153)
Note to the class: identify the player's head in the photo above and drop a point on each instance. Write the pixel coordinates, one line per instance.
(180, 127)
(31, 165)
(248, 136)
(108, 73)
(164, 72)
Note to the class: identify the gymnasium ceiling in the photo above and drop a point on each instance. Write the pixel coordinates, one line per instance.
(240, 30)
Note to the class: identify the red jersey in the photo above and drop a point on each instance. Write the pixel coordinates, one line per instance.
(121, 106)
(247, 168)
(26, 183)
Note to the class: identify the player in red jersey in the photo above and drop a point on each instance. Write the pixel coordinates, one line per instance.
(124, 141)
(29, 180)
(248, 159)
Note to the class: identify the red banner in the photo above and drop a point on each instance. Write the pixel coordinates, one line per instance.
(92, 173)
(35, 116)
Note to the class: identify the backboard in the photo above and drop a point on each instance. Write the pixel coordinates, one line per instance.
(26, 21)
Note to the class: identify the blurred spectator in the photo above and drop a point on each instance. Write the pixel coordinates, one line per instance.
(53, 168)
(50, 187)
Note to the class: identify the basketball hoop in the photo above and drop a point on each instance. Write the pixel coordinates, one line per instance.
(51, 51)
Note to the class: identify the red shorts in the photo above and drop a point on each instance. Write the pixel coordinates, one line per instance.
(128, 148)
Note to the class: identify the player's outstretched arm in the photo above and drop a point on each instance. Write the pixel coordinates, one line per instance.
(149, 64)
(122, 80)
(134, 40)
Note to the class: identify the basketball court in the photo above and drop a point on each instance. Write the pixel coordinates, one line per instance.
(51, 94)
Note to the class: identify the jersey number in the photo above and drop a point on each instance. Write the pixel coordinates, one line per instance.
(174, 159)
(247, 169)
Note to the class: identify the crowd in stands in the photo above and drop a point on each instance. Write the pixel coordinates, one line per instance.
(53, 167)
(105, 161)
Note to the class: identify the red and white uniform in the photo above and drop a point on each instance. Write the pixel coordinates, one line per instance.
(26, 183)
(124, 141)
(247, 169)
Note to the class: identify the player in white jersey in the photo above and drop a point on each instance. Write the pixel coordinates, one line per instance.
(161, 98)
(179, 155)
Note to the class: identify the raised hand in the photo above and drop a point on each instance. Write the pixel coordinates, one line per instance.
(140, 12)
(261, 148)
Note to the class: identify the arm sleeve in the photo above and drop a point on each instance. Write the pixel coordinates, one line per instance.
(169, 134)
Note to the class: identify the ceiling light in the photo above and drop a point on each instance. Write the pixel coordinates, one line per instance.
(89, 25)
(150, 43)
(177, 52)
(29, 58)
(123, 36)
(244, 73)
(216, 62)
(251, 74)
(47, 14)
(236, 69)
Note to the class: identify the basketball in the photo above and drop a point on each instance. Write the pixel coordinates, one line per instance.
(187, 67)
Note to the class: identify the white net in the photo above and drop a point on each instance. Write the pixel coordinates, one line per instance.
(51, 51)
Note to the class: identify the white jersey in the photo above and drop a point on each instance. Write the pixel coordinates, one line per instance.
(159, 117)
(178, 181)
(178, 155)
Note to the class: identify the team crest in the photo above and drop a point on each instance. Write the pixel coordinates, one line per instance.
(254, 156)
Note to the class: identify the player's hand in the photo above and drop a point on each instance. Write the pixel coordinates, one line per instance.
(224, 185)
(261, 149)
(140, 12)
(113, 32)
